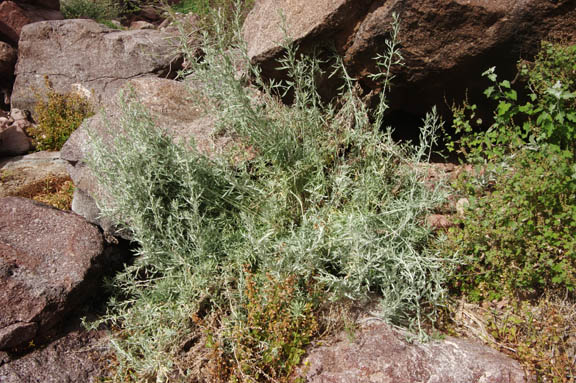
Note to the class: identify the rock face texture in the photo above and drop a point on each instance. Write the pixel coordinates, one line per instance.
(380, 355)
(76, 357)
(446, 44)
(14, 15)
(49, 261)
(303, 21)
(89, 54)
(174, 110)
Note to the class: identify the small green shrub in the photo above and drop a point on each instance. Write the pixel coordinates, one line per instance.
(57, 116)
(201, 7)
(518, 235)
(104, 11)
(547, 115)
(206, 7)
(276, 323)
(99, 10)
(213, 17)
(527, 185)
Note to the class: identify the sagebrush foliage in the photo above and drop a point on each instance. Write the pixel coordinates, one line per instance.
(328, 200)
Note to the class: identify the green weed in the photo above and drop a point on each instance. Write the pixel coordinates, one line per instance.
(266, 342)
(517, 236)
(99, 10)
(527, 186)
(547, 115)
(527, 246)
(57, 116)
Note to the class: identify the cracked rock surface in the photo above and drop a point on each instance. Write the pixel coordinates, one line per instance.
(85, 55)
(376, 353)
(49, 263)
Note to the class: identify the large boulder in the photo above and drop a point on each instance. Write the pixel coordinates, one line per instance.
(13, 140)
(85, 54)
(378, 354)
(50, 261)
(446, 44)
(14, 15)
(174, 109)
(322, 22)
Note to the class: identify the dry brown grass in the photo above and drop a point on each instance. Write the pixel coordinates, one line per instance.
(540, 334)
(55, 191)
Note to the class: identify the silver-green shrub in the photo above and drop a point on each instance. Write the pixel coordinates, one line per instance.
(328, 196)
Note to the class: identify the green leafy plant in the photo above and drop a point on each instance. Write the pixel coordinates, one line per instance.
(527, 184)
(104, 11)
(201, 7)
(206, 8)
(268, 340)
(516, 238)
(548, 114)
(57, 116)
(212, 17)
(527, 245)
(99, 10)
